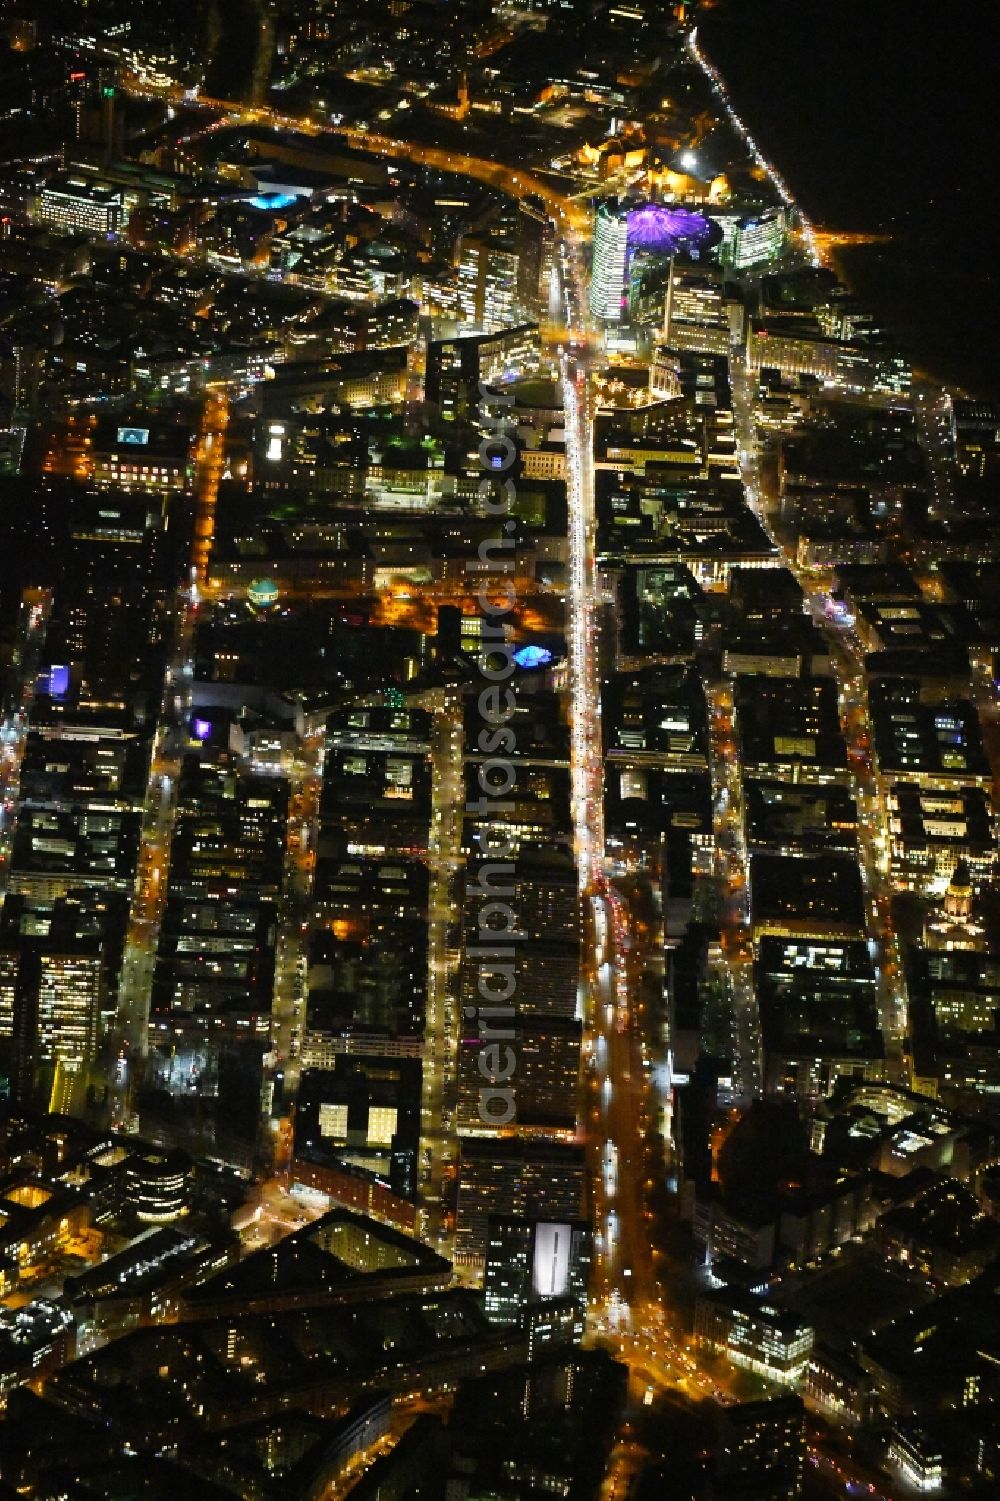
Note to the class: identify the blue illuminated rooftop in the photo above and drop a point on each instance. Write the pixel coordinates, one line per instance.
(272, 202)
(533, 656)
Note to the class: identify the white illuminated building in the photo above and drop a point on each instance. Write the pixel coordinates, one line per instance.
(78, 204)
(607, 281)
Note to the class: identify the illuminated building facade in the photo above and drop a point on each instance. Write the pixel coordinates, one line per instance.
(49, 1010)
(627, 235)
(526, 1179)
(158, 1186)
(759, 238)
(455, 367)
(798, 346)
(916, 1455)
(610, 259)
(488, 269)
(695, 314)
(77, 205)
(529, 1261)
(68, 1000)
(753, 1334)
(144, 458)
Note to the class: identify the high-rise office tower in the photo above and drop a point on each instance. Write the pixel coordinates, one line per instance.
(520, 1179)
(56, 959)
(608, 267)
(546, 1092)
(488, 273)
(49, 1008)
(695, 314)
(542, 888)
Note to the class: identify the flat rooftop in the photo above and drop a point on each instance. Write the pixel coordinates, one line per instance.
(823, 893)
(342, 1257)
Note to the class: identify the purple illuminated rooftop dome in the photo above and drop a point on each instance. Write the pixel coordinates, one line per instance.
(667, 228)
